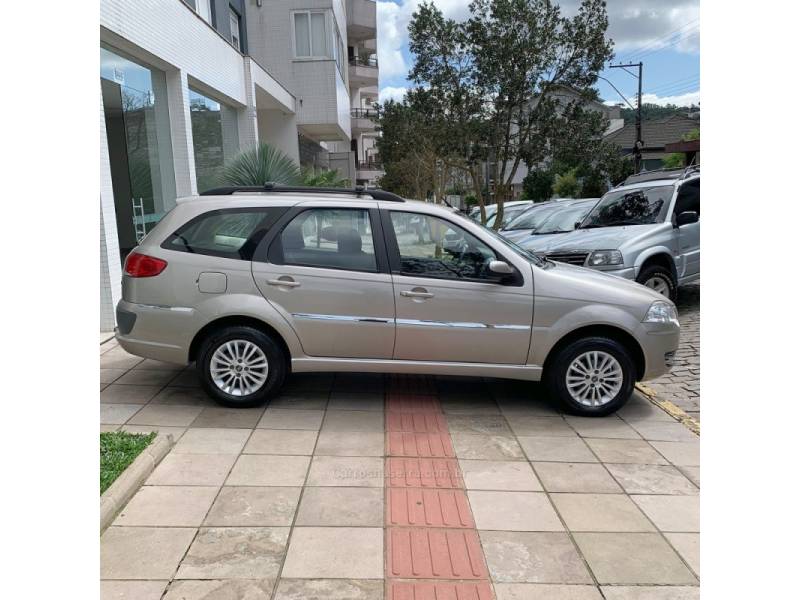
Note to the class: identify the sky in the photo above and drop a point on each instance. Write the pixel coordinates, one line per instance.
(665, 36)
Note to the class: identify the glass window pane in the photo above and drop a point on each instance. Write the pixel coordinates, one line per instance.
(319, 45)
(235, 37)
(433, 247)
(222, 234)
(302, 38)
(214, 136)
(334, 239)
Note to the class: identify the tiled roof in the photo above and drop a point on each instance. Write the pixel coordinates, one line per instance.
(656, 133)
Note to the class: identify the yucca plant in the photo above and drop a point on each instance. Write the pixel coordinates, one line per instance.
(260, 164)
(326, 178)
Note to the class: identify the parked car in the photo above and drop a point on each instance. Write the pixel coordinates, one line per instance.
(558, 223)
(491, 209)
(647, 230)
(525, 224)
(242, 282)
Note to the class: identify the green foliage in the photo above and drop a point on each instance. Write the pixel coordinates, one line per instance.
(692, 135)
(118, 449)
(655, 111)
(469, 201)
(326, 178)
(259, 165)
(538, 185)
(674, 160)
(566, 185)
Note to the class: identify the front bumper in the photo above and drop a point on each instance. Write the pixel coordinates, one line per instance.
(625, 273)
(659, 343)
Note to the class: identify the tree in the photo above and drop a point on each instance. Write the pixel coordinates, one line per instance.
(566, 185)
(491, 81)
(538, 185)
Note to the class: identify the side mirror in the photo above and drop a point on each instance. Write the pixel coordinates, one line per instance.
(577, 224)
(686, 217)
(500, 267)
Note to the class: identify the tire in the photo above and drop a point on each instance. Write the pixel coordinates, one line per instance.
(612, 392)
(220, 349)
(658, 276)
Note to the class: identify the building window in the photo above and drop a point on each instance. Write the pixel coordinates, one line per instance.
(204, 10)
(236, 37)
(215, 138)
(310, 35)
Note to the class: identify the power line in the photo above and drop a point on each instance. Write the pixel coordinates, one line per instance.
(674, 82)
(655, 43)
(667, 46)
(671, 88)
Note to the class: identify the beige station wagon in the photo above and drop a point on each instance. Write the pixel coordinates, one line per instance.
(253, 283)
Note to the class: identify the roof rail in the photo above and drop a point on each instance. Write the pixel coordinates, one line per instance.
(664, 173)
(271, 187)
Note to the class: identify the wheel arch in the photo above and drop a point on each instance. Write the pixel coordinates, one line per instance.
(657, 256)
(608, 331)
(241, 321)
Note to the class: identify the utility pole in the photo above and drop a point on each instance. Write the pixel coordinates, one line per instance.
(637, 147)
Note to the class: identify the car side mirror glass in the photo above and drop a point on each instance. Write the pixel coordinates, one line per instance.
(500, 267)
(687, 217)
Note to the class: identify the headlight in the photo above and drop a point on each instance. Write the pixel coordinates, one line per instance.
(661, 312)
(601, 258)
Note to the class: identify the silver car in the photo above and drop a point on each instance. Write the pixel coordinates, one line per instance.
(254, 283)
(647, 230)
(527, 222)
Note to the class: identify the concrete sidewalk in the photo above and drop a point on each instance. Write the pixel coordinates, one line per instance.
(330, 491)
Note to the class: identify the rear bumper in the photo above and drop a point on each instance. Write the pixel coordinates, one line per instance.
(158, 332)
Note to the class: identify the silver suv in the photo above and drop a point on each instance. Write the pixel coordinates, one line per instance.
(254, 283)
(647, 230)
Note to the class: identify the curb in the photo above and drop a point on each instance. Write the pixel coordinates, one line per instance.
(117, 495)
(107, 337)
(671, 409)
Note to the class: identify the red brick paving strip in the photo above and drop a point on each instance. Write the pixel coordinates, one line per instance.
(430, 533)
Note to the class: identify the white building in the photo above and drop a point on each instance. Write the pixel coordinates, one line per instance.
(186, 84)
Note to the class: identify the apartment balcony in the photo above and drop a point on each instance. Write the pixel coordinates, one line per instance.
(361, 20)
(369, 170)
(363, 71)
(362, 120)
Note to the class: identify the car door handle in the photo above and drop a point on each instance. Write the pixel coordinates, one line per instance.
(284, 282)
(416, 294)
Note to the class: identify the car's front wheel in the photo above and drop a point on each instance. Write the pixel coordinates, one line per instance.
(659, 279)
(241, 366)
(592, 376)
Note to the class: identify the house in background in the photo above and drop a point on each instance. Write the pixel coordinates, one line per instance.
(656, 135)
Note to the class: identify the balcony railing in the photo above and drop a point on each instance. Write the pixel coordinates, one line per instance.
(363, 113)
(369, 165)
(364, 61)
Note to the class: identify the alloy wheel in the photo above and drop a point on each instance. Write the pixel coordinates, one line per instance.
(239, 367)
(659, 284)
(594, 378)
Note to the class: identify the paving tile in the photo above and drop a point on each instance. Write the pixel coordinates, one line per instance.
(187, 378)
(346, 471)
(242, 506)
(344, 400)
(142, 552)
(105, 428)
(486, 447)
(132, 590)
(419, 422)
(117, 414)
(672, 513)
(284, 418)
(281, 441)
(680, 454)
(149, 364)
(118, 360)
(329, 589)
(359, 421)
(399, 402)
(341, 507)
(641, 409)
(300, 400)
(128, 394)
(214, 416)
(606, 427)
(533, 557)
(235, 553)
(600, 512)
(167, 506)
(621, 592)
(425, 553)
(269, 470)
(175, 432)
(183, 396)
(420, 385)
(483, 424)
(212, 441)
(692, 473)
(332, 443)
(499, 475)
(541, 426)
(137, 377)
(557, 449)
(423, 472)
(335, 552)
(171, 416)
(514, 511)
(632, 558)
(358, 382)
(439, 590)
(192, 469)
(652, 479)
(545, 591)
(667, 431)
(225, 589)
(688, 546)
(426, 445)
(308, 382)
(576, 477)
(625, 451)
(417, 507)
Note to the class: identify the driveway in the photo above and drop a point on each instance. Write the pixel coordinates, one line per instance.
(358, 486)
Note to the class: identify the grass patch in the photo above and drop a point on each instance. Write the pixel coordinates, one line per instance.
(118, 449)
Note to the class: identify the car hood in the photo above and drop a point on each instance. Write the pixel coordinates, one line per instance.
(516, 235)
(601, 238)
(542, 242)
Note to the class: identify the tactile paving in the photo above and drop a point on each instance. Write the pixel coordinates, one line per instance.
(439, 590)
(419, 422)
(428, 445)
(434, 554)
(428, 508)
(423, 472)
(402, 402)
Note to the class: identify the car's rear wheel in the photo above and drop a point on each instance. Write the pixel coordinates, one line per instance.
(591, 376)
(241, 366)
(659, 279)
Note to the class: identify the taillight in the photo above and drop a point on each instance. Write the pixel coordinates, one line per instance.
(141, 265)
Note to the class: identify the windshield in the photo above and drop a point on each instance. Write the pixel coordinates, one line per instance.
(526, 254)
(630, 207)
(509, 214)
(534, 217)
(564, 220)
